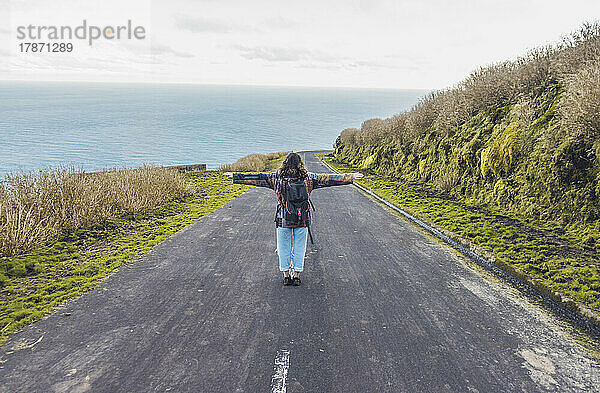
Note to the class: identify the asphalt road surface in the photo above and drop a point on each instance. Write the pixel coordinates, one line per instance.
(383, 307)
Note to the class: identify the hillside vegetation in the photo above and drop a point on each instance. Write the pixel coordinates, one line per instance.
(40, 206)
(520, 138)
(256, 162)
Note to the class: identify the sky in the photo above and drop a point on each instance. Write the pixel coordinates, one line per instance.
(405, 44)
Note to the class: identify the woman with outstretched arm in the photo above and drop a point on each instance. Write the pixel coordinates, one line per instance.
(292, 184)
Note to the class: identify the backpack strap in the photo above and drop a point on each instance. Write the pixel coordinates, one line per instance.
(309, 232)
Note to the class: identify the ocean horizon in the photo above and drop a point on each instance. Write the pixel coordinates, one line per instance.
(96, 126)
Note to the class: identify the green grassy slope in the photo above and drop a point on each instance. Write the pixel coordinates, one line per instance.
(529, 170)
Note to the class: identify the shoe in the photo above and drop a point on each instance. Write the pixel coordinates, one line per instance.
(296, 281)
(287, 281)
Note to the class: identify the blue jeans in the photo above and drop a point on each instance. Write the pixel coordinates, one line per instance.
(291, 245)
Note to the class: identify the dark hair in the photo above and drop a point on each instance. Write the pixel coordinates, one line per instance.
(292, 166)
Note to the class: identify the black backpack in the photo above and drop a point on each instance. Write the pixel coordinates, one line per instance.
(296, 204)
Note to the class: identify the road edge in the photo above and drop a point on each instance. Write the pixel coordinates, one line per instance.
(557, 303)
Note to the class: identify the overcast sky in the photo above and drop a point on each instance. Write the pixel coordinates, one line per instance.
(427, 44)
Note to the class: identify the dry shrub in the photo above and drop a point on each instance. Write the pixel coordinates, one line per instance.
(276, 155)
(577, 50)
(492, 85)
(252, 163)
(348, 137)
(422, 115)
(447, 181)
(373, 130)
(451, 109)
(36, 207)
(580, 107)
(534, 69)
(398, 128)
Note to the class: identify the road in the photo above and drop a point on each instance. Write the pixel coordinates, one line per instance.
(383, 307)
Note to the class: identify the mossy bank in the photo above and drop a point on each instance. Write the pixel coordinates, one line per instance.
(546, 259)
(508, 159)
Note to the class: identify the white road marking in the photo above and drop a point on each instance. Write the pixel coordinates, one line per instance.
(280, 371)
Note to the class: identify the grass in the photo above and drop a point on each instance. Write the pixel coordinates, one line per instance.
(275, 163)
(543, 257)
(256, 163)
(36, 282)
(40, 206)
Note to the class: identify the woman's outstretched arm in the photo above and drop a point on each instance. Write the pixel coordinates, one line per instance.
(253, 179)
(321, 180)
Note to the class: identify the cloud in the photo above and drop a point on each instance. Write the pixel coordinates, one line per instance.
(320, 66)
(281, 23)
(371, 64)
(154, 53)
(284, 54)
(205, 25)
(273, 54)
(159, 49)
(306, 58)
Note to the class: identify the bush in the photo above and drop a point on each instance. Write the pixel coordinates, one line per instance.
(580, 107)
(253, 162)
(36, 207)
(347, 137)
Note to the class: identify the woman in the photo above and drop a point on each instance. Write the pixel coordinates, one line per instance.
(292, 184)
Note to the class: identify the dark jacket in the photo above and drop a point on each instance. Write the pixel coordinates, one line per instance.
(274, 182)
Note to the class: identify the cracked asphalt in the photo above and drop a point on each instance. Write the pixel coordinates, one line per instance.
(382, 307)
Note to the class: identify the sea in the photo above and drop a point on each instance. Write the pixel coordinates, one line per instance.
(97, 126)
